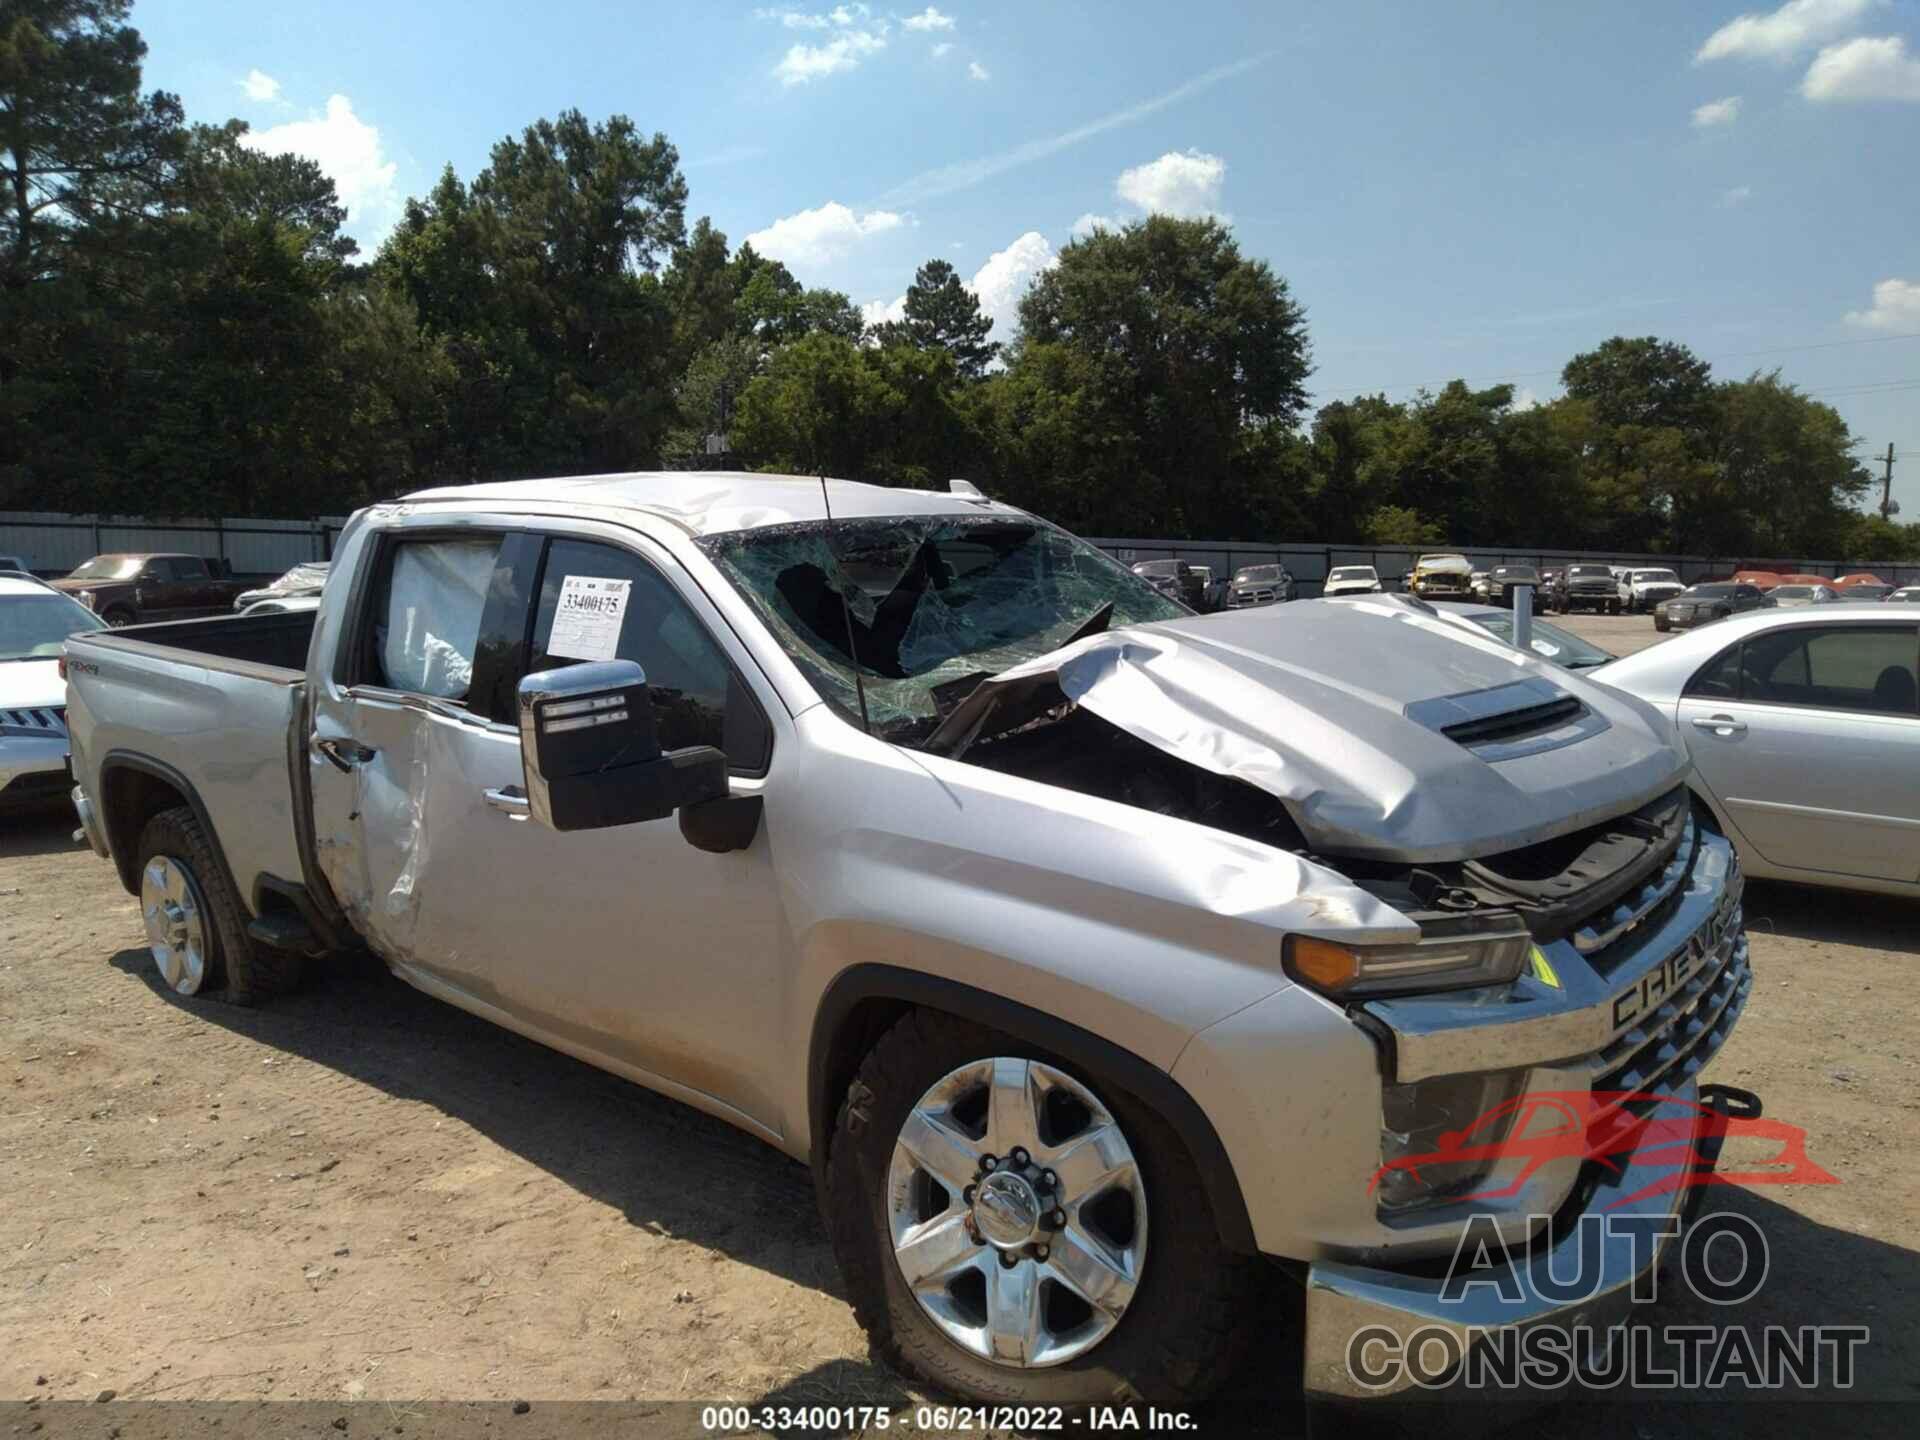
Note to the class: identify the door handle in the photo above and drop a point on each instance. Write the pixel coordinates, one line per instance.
(511, 801)
(341, 752)
(1719, 724)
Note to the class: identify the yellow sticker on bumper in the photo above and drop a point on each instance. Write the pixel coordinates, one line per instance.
(1543, 970)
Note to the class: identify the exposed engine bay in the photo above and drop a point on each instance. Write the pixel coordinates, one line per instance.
(1553, 885)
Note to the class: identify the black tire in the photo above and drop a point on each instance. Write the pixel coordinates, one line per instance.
(1183, 1331)
(1660, 624)
(117, 616)
(238, 970)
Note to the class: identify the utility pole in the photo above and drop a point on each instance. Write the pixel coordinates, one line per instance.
(1887, 507)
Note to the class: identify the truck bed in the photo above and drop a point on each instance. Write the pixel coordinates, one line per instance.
(209, 705)
(276, 640)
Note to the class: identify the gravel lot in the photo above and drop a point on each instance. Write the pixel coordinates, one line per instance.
(361, 1193)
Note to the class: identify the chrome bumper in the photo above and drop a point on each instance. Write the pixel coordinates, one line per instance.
(1349, 1304)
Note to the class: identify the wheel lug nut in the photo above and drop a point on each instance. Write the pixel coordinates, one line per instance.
(989, 1163)
(1040, 1252)
(966, 1195)
(1059, 1219)
(1008, 1260)
(1020, 1157)
(1050, 1180)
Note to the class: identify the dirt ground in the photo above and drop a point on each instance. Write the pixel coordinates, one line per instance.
(359, 1192)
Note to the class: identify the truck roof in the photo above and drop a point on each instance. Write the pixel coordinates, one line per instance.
(709, 502)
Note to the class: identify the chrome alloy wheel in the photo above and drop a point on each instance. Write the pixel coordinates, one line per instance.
(1017, 1212)
(175, 914)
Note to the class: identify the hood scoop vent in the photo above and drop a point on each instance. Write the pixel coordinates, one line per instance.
(1509, 721)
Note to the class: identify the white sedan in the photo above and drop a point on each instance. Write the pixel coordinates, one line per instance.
(1804, 727)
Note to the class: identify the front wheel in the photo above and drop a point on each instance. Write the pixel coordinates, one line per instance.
(118, 618)
(1016, 1230)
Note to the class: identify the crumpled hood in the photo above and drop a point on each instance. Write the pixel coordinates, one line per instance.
(1310, 702)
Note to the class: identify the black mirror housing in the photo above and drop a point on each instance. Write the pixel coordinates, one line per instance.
(591, 755)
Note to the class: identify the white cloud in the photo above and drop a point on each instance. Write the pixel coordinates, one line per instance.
(947, 179)
(879, 312)
(349, 150)
(1524, 398)
(1004, 279)
(1090, 222)
(941, 50)
(929, 19)
(977, 71)
(1896, 306)
(804, 63)
(999, 285)
(1865, 69)
(840, 15)
(260, 86)
(1184, 183)
(1793, 29)
(1737, 195)
(823, 235)
(1716, 112)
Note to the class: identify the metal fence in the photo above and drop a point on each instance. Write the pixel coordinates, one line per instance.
(1309, 564)
(53, 544)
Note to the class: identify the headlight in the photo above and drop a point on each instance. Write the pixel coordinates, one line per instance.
(1421, 1123)
(1490, 950)
(85, 597)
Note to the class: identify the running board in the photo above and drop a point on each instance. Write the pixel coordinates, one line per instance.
(283, 930)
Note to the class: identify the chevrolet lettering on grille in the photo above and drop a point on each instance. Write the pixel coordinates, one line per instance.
(1648, 993)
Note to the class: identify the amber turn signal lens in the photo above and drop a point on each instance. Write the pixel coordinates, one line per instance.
(1321, 963)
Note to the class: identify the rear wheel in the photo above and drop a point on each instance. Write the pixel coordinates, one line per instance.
(118, 617)
(1015, 1229)
(196, 926)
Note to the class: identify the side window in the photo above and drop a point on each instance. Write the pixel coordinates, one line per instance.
(1863, 669)
(1719, 679)
(427, 614)
(1774, 668)
(697, 698)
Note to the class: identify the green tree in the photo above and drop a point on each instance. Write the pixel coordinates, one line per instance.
(1188, 342)
(1397, 525)
(943, 314)
(78, 142)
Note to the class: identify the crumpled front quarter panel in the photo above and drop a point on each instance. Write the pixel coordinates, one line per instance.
(1139, 927)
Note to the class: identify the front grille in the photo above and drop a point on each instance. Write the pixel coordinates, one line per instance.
(1675, 1042)
(35, 720)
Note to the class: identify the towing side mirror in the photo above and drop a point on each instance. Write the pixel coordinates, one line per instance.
(591, 756)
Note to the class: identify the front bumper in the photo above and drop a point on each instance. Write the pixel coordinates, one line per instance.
(1644, 998)
(33, 769)
(1353, 1312)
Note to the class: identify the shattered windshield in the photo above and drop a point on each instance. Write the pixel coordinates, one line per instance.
(937, 604)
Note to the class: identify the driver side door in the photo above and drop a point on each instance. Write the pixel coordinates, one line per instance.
(626, 946)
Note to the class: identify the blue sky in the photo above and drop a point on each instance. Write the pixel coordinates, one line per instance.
(1470, 189)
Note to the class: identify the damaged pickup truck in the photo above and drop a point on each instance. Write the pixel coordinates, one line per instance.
(1107, 963)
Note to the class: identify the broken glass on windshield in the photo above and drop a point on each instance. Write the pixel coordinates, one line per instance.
(923, 602)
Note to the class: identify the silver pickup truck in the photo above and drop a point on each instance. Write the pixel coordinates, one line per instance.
(1107, 963)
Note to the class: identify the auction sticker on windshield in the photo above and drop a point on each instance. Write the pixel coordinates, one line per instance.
(586, 625)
